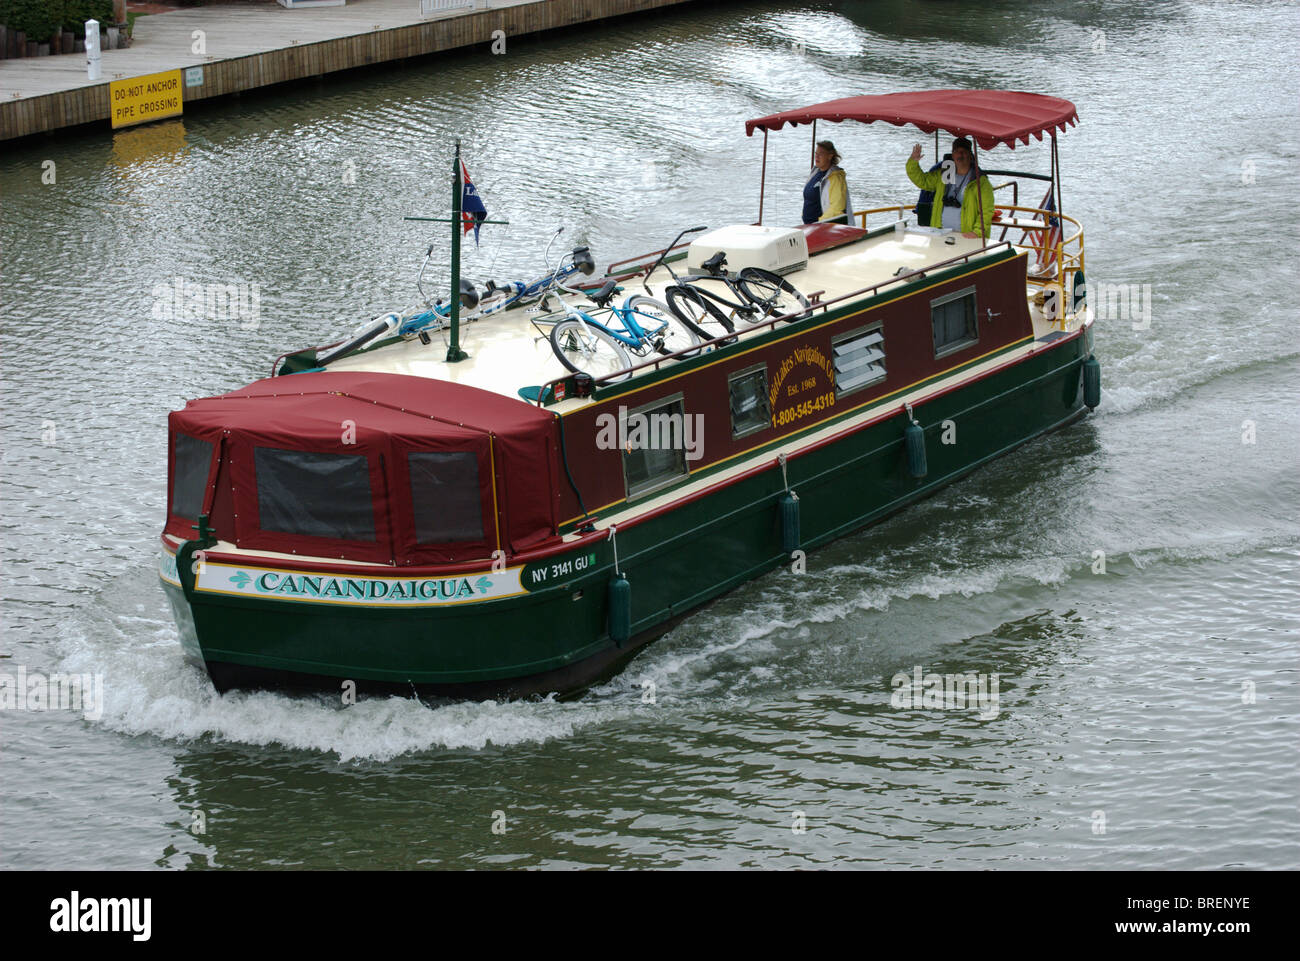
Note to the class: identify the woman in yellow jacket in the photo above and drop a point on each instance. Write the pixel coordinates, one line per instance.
(826, 194)
(956, 206)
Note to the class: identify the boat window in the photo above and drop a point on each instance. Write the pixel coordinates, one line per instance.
(446, 496)
(320, 495)
(953, 318)
(750, 410)
(859, 359)
(191, 458)
(657, 438)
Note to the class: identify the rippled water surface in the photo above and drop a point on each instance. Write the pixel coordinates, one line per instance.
(1147, 717)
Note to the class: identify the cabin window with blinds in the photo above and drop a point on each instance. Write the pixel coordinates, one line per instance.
(657, 438)
(319, 495)
(953, 318)
(191, 459)
(859, 359)
(446, 497)
(750, 410)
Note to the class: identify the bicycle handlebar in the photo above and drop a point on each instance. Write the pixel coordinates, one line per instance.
(645, 280)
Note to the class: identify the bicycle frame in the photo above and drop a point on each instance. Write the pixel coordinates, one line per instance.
(633, 335)
(742, 307)
(544, 284)
(636, 336)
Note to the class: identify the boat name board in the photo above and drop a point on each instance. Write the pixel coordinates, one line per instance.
(319, 588)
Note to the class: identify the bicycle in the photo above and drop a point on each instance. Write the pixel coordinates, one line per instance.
(585, 345)
(406, 325)
(761, 296)
(516, 292)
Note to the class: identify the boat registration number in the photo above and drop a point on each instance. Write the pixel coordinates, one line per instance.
(545, 573)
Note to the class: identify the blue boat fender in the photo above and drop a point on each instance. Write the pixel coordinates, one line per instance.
(914, 441)
(620, 601)
(620, 609)
(789, 522)
(1091, 382)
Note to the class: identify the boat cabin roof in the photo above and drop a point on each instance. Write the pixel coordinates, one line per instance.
(507, 352)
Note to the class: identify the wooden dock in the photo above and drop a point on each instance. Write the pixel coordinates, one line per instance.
(248, 47)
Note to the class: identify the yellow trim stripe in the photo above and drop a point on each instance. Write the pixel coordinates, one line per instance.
(496, 511)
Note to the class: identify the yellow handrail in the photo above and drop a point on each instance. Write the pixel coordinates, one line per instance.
(1068, 249)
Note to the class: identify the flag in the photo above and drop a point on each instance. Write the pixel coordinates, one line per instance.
(472, 211)
(1051, 236)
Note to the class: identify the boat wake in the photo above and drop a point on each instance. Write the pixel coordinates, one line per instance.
(846, 621)
(150, 690)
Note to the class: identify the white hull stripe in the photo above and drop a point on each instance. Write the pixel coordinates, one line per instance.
(355, 591)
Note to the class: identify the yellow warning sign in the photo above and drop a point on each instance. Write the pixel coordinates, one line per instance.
(141, 99)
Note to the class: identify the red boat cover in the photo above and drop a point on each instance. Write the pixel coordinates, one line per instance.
(383, 418)
(992, 117)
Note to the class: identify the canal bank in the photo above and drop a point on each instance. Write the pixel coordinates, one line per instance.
(226, 50)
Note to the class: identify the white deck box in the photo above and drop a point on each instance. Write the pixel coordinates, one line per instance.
(779, 249)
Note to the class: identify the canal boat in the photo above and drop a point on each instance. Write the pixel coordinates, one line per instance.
(461, 515)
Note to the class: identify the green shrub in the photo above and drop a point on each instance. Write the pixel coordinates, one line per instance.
(77, 12)
(39, 19)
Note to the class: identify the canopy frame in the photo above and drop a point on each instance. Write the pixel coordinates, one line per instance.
(934, 110)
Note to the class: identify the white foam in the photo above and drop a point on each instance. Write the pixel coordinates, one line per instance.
(150, 690)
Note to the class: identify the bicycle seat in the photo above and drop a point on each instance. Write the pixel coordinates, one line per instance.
(715, 263)
(602, 297)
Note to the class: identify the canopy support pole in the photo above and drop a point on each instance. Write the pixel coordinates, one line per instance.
(762, 180)
(812, 152)
(979, 194)
(1056, 174)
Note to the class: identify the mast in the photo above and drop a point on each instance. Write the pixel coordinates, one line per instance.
(454, 353)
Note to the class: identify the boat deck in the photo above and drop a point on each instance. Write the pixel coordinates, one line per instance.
(508, 351)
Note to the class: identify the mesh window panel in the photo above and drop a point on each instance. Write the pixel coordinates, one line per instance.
(192, 457)
(954, 323)
(320, 495)
(663, 458)
(749, 403)
(445, 493)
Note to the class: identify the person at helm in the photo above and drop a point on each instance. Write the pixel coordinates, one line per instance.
(963, 197)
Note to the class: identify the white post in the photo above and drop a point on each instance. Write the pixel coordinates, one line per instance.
(93, 65)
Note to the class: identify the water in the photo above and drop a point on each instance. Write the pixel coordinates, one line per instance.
(1147, 716)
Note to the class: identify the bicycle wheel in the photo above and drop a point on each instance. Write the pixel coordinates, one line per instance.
(773, 295)
(698, 313)
(585, 348)
(667, 332)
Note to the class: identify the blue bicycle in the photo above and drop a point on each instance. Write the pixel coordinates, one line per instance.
(419, 325)
(584, 344)
(511, 293)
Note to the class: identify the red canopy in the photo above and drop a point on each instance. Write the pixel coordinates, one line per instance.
(382, 418)
(992, 117)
